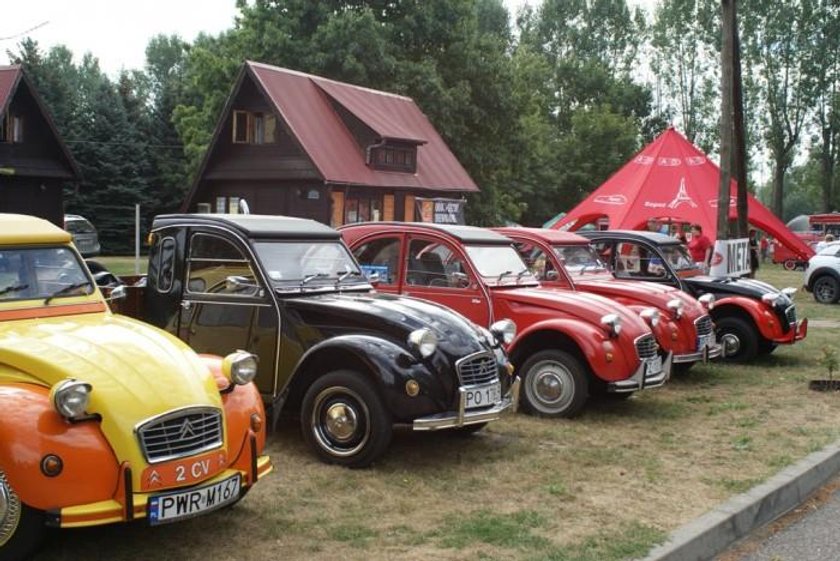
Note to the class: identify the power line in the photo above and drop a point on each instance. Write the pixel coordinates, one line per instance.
(22, 33)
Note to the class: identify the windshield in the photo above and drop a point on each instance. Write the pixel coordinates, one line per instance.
(677, 257)
(308, 264)
(45, 272)
(500, 265)
(580, 259)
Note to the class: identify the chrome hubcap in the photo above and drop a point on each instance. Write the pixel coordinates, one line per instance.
(731, 344)
(551, 386)
(9, 510)
(340, 421)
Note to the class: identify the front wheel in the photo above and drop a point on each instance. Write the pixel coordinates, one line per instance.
(555, 384)
(826, 290)
(20, 526)
(738, 337)
(344, 420)
(789, 265)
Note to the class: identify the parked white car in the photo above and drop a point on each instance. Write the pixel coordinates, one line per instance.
(822, 277)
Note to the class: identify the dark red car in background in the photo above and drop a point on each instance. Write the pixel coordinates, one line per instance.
(567, 261)
(568, 344)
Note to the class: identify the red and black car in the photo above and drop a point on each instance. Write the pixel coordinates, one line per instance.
(566, 261)
(568, 344)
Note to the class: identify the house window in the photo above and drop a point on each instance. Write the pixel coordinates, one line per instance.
(254, 127)
(240, 127)
(203, 208)
(362, 208)
(233, 205)
(394, 158)
(11, 128)
(220, 204)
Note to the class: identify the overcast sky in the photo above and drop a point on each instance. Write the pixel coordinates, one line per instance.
(117, 31)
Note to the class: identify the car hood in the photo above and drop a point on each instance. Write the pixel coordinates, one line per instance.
(586, 307)
(644, 293)
(136, 371)
(387, 316)
(722, 286)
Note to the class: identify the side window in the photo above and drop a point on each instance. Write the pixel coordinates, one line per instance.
(537, 261)
(636, 261)
(380, 256)
(434, 264)
(166, 264)
(605, 252)
(216, 266)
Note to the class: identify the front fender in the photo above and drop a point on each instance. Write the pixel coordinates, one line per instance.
(31, 428)
(389, 367)
(593, 344)
(762, 315)
(672, 335)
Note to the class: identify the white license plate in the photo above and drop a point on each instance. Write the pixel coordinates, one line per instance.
(177, 506)
(703, 341)
(483, 396)
(653, 365)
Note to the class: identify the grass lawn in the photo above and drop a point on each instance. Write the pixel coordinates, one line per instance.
(604, 487)
(123, 265)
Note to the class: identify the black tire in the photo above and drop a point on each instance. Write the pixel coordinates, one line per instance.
(682, 368)
(739, 338)
(21, 528)
(826, 289)
(555, 384)
(766, 347)
(353, 405)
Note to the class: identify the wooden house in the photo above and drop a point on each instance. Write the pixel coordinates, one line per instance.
(300, 145)
(34, 161)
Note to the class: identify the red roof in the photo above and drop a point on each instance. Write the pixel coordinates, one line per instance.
(546, 234)
(305, 103)
(9, 76)
(671, 179)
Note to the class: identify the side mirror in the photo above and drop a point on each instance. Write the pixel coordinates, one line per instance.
(552, 276)
(458, 279)
(117, 293)
(374, 278)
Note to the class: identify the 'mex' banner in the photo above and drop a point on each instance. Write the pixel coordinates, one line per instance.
(731, 258)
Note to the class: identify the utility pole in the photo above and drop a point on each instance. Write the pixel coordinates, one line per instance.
(726, 128)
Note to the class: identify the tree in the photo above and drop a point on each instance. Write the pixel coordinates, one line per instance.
(825, 67)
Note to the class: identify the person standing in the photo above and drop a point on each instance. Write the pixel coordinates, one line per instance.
(763, 246)
(700, 247)
(753, 237)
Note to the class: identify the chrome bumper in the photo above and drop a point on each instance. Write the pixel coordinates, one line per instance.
(463, 417)
(638, 381)
(712, 351)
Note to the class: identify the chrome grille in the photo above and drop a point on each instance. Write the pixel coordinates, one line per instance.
(646, 346)
(703, 326)
(180, 433)
(477, 369)
(790, 314)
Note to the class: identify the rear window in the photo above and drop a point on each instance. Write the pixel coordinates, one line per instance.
(79, 227)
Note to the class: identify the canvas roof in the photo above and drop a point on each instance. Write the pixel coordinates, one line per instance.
(671, 179)
(305, 103)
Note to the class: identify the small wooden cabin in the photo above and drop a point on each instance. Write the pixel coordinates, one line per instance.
(34, 161)
(300, 145)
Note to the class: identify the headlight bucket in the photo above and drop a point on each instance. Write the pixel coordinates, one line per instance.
(651, 316)
(771, 298)
(676, 307)
(423, 341)
(71, 398)
(708, 301)
(789, 292)
(612, 323)
(240, 367)
(504, 331)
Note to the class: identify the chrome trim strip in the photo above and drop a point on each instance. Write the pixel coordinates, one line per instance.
(638, 381)
(713, 351)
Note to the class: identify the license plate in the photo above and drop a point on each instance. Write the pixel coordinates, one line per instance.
(178, 506)
(653, 365)
(703, 341)
(484, 396)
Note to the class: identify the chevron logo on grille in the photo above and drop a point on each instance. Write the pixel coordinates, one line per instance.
(187, 430)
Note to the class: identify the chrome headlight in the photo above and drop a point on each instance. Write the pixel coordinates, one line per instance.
(423, 341)
(789, 292)
(708, 300)
(676, 307)
(650, 315)
(770, 298)
(504, 331)
(240, 367)
(71, 398)
(612, 323)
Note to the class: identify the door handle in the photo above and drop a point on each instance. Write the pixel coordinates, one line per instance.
(476, 300)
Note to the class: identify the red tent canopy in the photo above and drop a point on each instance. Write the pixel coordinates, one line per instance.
(672, 179)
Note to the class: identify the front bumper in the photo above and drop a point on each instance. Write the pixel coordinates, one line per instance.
(709, 352)
(640, 381)
(464, 417)
(797, 332)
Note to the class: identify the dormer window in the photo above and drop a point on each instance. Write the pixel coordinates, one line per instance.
(254, 127)
(393, 157)
(11, 128)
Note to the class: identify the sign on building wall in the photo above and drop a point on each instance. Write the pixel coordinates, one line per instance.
(730, 258)
(441, 211)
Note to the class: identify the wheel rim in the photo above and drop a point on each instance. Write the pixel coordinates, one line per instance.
(825, 291)
(9, 510)
(731, 344)
(339, 421)
(550, 386)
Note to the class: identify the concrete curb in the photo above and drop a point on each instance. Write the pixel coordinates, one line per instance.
(709, 535)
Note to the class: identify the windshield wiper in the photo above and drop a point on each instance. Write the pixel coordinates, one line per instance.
(66, 289)
(503, 275)
(521, 274)
(347, 273)
(308, 278)
(14, 288)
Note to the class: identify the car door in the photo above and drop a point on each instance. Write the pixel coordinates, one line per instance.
(436, 270)
(225, 306)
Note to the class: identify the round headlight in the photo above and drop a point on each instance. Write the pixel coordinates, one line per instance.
(789, 292)
(651, 315)
(612, 323)
(423, 341)
(708, 300)
(71, 398)
(676, 307)
(504, 331)
(770, 298)
(240, 367)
